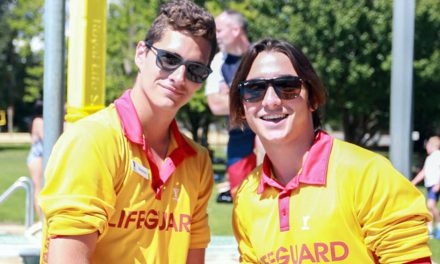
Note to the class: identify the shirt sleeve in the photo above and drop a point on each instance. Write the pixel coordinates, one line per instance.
(247, 253)
(200, 233)
(78, 196)
(215, 78)
(392, 214)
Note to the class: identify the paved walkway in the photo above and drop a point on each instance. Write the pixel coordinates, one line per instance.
(222, 249)
(15, 138)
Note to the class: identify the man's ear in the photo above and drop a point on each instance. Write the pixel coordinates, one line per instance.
(236, 31)
(141, 50)
(312, 106)
(242, 114)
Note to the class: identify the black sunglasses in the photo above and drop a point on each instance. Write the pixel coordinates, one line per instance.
(169, 61)
(286, 87)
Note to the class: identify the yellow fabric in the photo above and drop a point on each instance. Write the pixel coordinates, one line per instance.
(366, 213)
(100, 190)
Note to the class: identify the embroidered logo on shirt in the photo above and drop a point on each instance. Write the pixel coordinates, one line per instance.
(305, 225)
(152, 219)
(176, 192)
(141, 170)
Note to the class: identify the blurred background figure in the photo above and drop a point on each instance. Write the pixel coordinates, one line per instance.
(35, 157)
(233, 42)
(430, 173)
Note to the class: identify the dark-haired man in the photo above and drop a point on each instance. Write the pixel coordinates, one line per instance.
(124, 185)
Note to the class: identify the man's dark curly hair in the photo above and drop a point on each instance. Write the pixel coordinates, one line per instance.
(186, 16)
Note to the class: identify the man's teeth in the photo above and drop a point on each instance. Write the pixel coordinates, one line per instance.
(273, 117)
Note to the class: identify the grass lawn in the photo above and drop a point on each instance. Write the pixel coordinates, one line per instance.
(13, 165)
(220, 217)
(220, 214)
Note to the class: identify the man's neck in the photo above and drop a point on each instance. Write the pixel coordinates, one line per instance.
(239, 47)
(288, 158)
(155, 122)
(157, 135)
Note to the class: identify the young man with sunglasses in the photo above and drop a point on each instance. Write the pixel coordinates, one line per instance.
(315, 199)
(233, 43)
(124, 185)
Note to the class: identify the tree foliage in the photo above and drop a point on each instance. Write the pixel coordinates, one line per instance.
(348, 42)
(427, 70)
(21, 67)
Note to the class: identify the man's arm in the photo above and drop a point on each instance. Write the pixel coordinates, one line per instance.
(219, 102)
(72, 249)
(196, 256)
(419, 177)
(216, 90)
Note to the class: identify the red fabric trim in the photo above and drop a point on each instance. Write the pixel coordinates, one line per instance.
(238, 171)
(314, 168)
(131, 125)
(57, 236)
(132, 128)
(426, 260)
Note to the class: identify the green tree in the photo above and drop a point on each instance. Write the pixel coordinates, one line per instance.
(10, 67)
(427, 71)
(349, 44)
(196, 117)
(20, 63)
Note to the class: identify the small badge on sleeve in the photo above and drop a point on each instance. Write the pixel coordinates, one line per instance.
(139, 169)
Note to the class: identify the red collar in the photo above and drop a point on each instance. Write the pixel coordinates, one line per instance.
(314, 169)
(132, 127)
(133, 131)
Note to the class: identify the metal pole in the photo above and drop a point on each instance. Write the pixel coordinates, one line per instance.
(53, 90)
(401, 85)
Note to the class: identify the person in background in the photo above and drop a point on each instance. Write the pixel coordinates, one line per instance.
(124, 184)
(315, 198)
(430, 173)
(233, 42)
(35, 157)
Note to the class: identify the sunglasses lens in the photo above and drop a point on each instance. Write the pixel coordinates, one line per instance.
(197, 72)
(168, 61)
(253, 91)
(288, 88)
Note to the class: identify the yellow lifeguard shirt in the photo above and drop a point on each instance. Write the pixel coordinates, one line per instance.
(101, 177)
(347, 205)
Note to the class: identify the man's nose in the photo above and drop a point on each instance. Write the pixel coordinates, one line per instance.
(178, 75)
(271, 97)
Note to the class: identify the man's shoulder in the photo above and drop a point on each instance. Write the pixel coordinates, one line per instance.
(218, 60)
(250, 184)
(435, 155)
(215, 78)
(106, 116)
(351, 156)
(103, 122)
(197, 147)
(220, 55)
